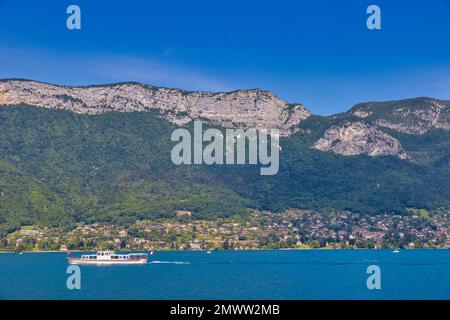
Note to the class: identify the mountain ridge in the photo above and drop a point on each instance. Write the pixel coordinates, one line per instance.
(252, 108)
(247, 108)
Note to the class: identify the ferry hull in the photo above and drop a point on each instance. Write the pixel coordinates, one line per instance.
(105, 262)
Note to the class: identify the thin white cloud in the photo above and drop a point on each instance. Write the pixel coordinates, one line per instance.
(126, 68)
(71, 68)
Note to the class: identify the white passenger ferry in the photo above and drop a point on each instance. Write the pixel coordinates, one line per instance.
(109, 257)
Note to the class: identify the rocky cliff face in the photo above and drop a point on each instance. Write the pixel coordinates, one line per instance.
(359, 138)
(412, 116)
(365, 136)
(243, 108)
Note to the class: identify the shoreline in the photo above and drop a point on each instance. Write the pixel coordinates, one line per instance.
(288, 249)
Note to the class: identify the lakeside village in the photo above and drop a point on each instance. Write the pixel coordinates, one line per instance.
(293, 229)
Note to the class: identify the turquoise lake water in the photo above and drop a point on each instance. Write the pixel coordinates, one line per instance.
(308, 274)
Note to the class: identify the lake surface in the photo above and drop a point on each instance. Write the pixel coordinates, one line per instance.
(306, 274)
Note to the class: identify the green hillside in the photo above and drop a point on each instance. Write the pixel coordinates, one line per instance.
(57, 167)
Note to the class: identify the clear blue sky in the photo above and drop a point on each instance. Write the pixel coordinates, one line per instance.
(318, 53)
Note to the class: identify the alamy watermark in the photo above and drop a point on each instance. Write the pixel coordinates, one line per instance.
(229, 148)
(374, 280)
(73, 21)
(374, 20)
(74, 280)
